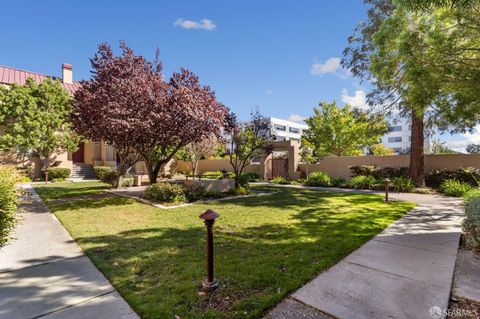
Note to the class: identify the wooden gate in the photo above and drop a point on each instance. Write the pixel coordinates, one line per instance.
(279, 167)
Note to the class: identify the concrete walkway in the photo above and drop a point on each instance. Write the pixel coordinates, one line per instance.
(44, 273)
(404, 272)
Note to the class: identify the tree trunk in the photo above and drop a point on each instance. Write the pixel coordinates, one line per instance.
(417, 165)
(152, 171)
(195, 168)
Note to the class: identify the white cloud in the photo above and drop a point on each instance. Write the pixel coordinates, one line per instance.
(332, 65)
(459, 142)
(358, 100)
(269, 91)
(296, 118)
(204, 24)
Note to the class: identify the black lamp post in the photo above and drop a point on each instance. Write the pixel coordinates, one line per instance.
(209, 216)
(386, 181)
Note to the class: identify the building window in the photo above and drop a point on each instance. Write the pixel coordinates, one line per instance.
(280, 138)
(394, 139)
(397, 150)
(397, 128)
(280, 127)
(294, 130)
(294, 139)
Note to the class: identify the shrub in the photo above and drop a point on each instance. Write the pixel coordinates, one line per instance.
(280, 180)
(58, 173)
(100, 171)
(127, 182)
(363, 182)
(214, 175)
(339, 181)
(379, 172)
(165, 192)
(8, 200)
(318, 179)
(452, 187)
(467, 175)
(403, 184)
(239, 190)
(110, 178)
(245, 178)
(473, 193)
(195, 192)
(471, 223)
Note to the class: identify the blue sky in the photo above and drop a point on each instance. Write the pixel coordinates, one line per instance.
(279, 55)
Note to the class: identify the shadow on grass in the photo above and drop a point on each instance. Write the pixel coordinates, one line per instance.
(67, 190)
(159, 270)
(88, 203)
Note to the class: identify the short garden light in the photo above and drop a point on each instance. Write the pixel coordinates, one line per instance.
(46, 177)
(209, 216)
(386, 181)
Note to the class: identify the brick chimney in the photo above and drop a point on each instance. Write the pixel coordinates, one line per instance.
(67, 74)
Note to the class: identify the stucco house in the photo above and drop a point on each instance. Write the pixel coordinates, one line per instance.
(88, 154)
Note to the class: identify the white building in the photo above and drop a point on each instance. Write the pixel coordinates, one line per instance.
(399, 136)
(283, 130)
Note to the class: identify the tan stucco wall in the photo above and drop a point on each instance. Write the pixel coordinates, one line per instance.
(339, 166)
(215, 165)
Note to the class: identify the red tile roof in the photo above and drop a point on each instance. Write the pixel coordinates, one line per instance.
(10, 75)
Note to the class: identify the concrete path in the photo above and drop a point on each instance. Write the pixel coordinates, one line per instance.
(44, 273)
(404, 272)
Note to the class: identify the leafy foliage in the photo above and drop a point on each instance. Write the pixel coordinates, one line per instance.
(100, 171)
(338, 182)
(128, 105)
(403, 184)
(380, 149)
(8, 200)
(438, 147)
(452, 187)
(58, 173)
(318, 179)
(471, 223)
(280, 180)
(342, 131)
(247, 142)
(467, 175)
(473, 148)
(195, 151)
(165, 192)
(379, 172)
(363, 182)
(36, 120)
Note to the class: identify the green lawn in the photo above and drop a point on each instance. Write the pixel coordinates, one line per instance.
(265, 246)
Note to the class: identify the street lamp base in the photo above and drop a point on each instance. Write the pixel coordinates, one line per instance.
(208, 286)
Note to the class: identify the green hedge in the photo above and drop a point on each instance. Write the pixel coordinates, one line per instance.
(58, 173)
(165, 192)
(467, 175)
(318, 179)
(379, 172)
(100, 171)
(452, 187)
(8, 201)
(471, 223)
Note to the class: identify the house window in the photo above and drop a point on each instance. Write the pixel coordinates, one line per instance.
(397, 128)
(294, 130)
(394, 139)
(294, 139)
(280, 138)
(280, 127)
(397, 150)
